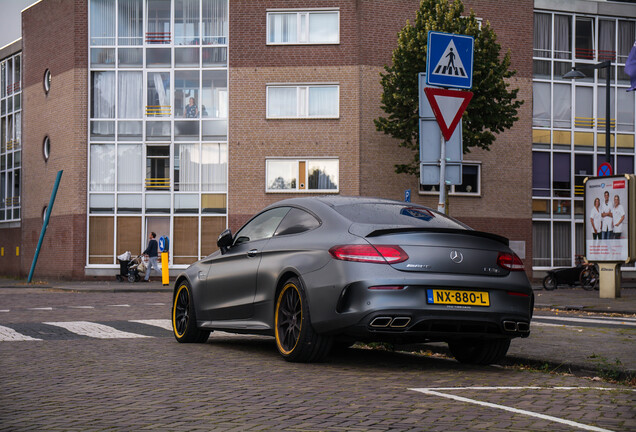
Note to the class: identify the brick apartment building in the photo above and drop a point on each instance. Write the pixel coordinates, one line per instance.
(185, 117)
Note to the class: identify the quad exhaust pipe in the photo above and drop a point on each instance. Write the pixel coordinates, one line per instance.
(393, 322)
(512, 326)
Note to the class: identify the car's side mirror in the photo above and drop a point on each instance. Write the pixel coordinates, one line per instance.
(225, 240)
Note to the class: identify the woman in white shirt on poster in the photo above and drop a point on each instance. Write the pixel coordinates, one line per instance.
(595, 219)
(618, 216)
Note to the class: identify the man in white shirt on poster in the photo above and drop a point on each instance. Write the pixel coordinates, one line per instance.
(618, 217)
(606, 214)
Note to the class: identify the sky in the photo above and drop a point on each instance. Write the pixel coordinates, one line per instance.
(10, 21)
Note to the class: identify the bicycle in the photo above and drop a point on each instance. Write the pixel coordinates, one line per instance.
(589, 277)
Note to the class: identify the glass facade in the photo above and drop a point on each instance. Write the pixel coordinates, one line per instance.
(569, 124)
(158, 113)
(10, 138)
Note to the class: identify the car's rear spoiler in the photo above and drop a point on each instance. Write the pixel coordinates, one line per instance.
(375, 231)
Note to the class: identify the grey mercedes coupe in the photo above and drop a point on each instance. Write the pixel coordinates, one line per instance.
(321, 271)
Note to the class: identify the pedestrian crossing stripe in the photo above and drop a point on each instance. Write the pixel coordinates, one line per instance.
(95, 330)
(450, 63)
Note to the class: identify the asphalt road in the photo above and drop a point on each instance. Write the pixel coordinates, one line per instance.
(105, 361)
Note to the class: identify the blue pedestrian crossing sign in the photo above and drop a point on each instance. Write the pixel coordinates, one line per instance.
(449, 60)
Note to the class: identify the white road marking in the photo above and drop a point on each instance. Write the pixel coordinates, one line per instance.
(523, 388)
(119, 305)
(41, 309)
(433, 392)
(82, 307)
(5, 310)
(9, 335)
(95, 330)
(163, 323)
(155, 304)
(616, 321)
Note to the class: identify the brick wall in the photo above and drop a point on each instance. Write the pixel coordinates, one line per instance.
(10, 239)
(55, 37)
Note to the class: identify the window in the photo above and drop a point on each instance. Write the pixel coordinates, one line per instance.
(295, 222)
(585, 38)
(102, 17)
(311, 27)
(307, 175)
(262, 226)
(157, 167)
(471, 182)
(313, 101)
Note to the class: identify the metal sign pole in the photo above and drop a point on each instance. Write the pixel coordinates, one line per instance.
(441, 206)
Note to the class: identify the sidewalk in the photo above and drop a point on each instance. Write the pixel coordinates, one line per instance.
(103, 286)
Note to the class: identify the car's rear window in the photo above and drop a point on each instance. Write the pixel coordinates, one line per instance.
(397, 214)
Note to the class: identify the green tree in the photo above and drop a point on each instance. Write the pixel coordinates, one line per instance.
(493, 107)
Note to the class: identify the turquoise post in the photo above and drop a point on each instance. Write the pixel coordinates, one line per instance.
(46, 223)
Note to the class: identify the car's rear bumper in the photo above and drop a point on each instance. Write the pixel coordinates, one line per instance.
(351, 308)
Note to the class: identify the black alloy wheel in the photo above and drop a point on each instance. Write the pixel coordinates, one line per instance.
(296, 339)
(184, 323)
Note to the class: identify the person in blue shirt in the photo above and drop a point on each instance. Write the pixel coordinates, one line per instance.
(152, 253)
(191, 110)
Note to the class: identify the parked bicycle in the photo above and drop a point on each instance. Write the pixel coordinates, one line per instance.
(584, 273)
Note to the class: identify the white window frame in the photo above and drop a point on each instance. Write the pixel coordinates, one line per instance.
(302, 37)
(452, 187)
(298, 188)
(302, 100)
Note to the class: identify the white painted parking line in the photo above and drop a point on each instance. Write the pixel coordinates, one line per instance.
(436, 392)
(163, 323)
(155, 304)
(9, 335)
(41, 309)
(94, 330)
(614, 321)
(119, 305)
(82, 307)
(5, 310)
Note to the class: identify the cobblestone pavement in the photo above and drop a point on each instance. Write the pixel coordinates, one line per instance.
(74, 382)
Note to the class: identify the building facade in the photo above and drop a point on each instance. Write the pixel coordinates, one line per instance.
(185, 117)
(568, 119)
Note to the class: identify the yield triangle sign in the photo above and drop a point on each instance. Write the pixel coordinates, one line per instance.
(448, 107)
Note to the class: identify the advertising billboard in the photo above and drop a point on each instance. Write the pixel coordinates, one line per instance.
(610, 235)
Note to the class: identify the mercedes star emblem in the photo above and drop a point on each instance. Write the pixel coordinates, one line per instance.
(456, 256)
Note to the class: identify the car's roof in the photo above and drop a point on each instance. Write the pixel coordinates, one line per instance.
(336, 200)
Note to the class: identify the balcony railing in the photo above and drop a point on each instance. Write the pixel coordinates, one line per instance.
(158, 110)
(12, 88)
(591, 122)
(158, 37)
(157, 183)
(607, 55)
(584, 53)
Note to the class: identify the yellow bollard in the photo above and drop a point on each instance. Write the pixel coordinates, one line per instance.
(164, 269)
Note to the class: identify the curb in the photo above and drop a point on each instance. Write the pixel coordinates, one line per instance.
(593, 309)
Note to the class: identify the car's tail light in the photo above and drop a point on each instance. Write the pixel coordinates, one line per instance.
(379, 254)
(387, 287)
(517, 294)
(510, 261)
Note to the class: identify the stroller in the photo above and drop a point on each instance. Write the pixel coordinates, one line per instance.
(131, 269)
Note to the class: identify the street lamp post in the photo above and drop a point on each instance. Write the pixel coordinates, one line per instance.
(574, 74)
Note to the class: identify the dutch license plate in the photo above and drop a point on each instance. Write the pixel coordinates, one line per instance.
(452, 297)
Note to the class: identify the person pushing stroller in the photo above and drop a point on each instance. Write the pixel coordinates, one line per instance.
(152, 253)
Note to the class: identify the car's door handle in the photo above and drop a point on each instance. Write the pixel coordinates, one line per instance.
(252, 253)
